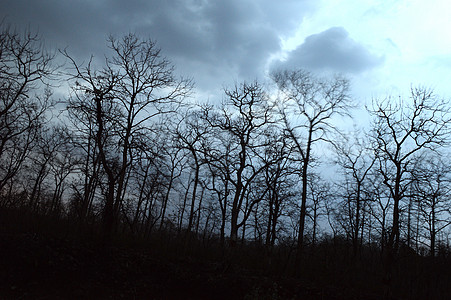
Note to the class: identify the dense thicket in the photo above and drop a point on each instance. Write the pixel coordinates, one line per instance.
(269, 170)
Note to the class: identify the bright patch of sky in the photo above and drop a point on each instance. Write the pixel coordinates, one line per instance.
(412, 37)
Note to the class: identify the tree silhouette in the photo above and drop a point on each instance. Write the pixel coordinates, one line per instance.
(25, 72)
(432, 190)
(243, 118)
(356, 161)
(400, 130)
(307, 106)
(135, 86)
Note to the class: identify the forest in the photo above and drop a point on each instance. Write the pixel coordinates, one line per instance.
(131, 187)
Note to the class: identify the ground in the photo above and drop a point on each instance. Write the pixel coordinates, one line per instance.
(38, 267)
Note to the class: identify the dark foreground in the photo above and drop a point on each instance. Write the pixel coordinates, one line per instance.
(36, 267)
(49, 261)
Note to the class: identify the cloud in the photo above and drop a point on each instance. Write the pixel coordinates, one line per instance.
(215, 42)
(225, 39)
(331, 50)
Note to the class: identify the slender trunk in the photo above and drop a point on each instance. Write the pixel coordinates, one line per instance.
(222, 230)
(243, 233)
(315, 217)
(383, 234)
(204, 235)
(54, 202)
(236, 205)
(224, 213)
(140, 200)
(393, 242)
(185, 198)
(364, 221)
(274, 221)
(234, 226)
(121, 187)
(355, 240)
(199, 210)
(37, 185)
(257, 233)
(149, 223)
(305, 161)
(89, 191)
(409, 222)
(108, 214)
(433, 231)
(90, 180)
(166, 198)
(270, 217)
(235, 211)
(193, 197)
(303, 209)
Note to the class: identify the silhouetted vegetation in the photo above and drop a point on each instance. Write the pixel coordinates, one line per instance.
(138, 190)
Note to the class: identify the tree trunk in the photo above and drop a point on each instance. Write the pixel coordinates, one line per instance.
(305, 163)
(165, 200)
(355, 240)
(193, 197)
(199, 210)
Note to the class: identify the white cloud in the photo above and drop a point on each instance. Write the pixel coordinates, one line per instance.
(331, 50)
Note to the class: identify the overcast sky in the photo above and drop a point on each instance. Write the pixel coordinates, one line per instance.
(382, 46)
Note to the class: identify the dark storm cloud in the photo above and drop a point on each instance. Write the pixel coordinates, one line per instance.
(331, 50)
(213, 41)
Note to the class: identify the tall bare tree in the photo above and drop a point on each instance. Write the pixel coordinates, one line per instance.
(431, 180)
(25, 71)
(280, 180)
(135, 86)
(191, 135)
(243, 119)
(401, 129)
(89, 176)
(319, 192)
(308, 105)
(356, 161)
(220, 170)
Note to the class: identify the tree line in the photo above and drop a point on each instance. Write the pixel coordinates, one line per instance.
(132, 151)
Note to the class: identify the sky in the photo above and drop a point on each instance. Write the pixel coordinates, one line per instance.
(383, 46)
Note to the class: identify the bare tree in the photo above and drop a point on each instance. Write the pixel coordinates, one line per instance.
(356, 161)
(146, 181)
(57, 162)
(135, 86)
(219, 163)
(243, 119)
(280, 180)
(318, 192)
(379, 208)
(191, 135)
(174, 162)
(400, 130)
(25, 71)
(40, 159)
(308, 105)
(81, 115)
(431, 180)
